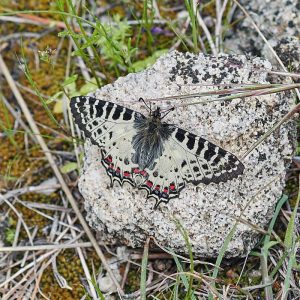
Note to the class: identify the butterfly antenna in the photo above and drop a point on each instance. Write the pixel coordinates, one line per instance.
(167, 112)
(148, 106)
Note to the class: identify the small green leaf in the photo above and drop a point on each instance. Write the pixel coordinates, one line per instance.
(71, 88)
(70, 80)
(56, 96)
(74, 94)
(149, 61)
(89, 87)
(58, 107)
(67, 33)
(296, 266)
(64, 33)
(10, 235)
(269, 245)
(68, 167)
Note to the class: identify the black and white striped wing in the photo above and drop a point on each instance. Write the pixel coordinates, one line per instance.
(204, 161)
(189, 158)
(99, 120)
(109, 126)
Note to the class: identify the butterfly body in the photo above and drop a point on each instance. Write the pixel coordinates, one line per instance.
(149, 153)
(148, 142)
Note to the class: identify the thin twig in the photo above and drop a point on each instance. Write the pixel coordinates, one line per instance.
(263, 90)
(29, 189)
(83, 263)
(218, 29)
(15, 115)
(15, 242)
(127, 268)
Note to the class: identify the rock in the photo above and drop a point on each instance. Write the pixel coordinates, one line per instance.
(288, 49)
(123, 215)
(105, 283)
(274, 22)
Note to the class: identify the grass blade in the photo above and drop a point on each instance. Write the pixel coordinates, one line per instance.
(182, 276)
(279, 205)
(288, 274)
(144, 270)
(188, 244)
(289, 235)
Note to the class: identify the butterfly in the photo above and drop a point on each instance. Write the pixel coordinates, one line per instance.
(148, 153)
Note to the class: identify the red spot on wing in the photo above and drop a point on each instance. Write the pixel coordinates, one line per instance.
(108, 159)
(111, 166)
(172, 187)
(143, 173)
(149, 183)
(118, 170)
(166, 190)
(136, 171)
(126, 174)
(157, 187)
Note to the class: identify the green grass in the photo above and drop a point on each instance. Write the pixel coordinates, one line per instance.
(193, 17)
(144, 270)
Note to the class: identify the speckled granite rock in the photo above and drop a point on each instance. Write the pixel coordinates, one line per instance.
(277, 20)
(288, 49)
(207, 212)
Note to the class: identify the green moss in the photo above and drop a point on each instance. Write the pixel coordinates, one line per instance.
(133, 281)
(69, 266)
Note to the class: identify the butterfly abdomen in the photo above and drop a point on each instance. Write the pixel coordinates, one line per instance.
(148, 142)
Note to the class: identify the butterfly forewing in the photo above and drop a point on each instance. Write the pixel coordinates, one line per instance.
(109, 126)
(203, 161)
(97, 118)
(158, 159)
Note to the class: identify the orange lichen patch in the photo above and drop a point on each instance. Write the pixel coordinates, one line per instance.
(68, 266)
(20, 163)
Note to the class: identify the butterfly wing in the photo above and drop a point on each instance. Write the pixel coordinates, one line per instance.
(204, 161)
(99, 119)
(109, 126)
(189, 158)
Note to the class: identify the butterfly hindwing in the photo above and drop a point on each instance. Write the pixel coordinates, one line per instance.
(189, 158)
